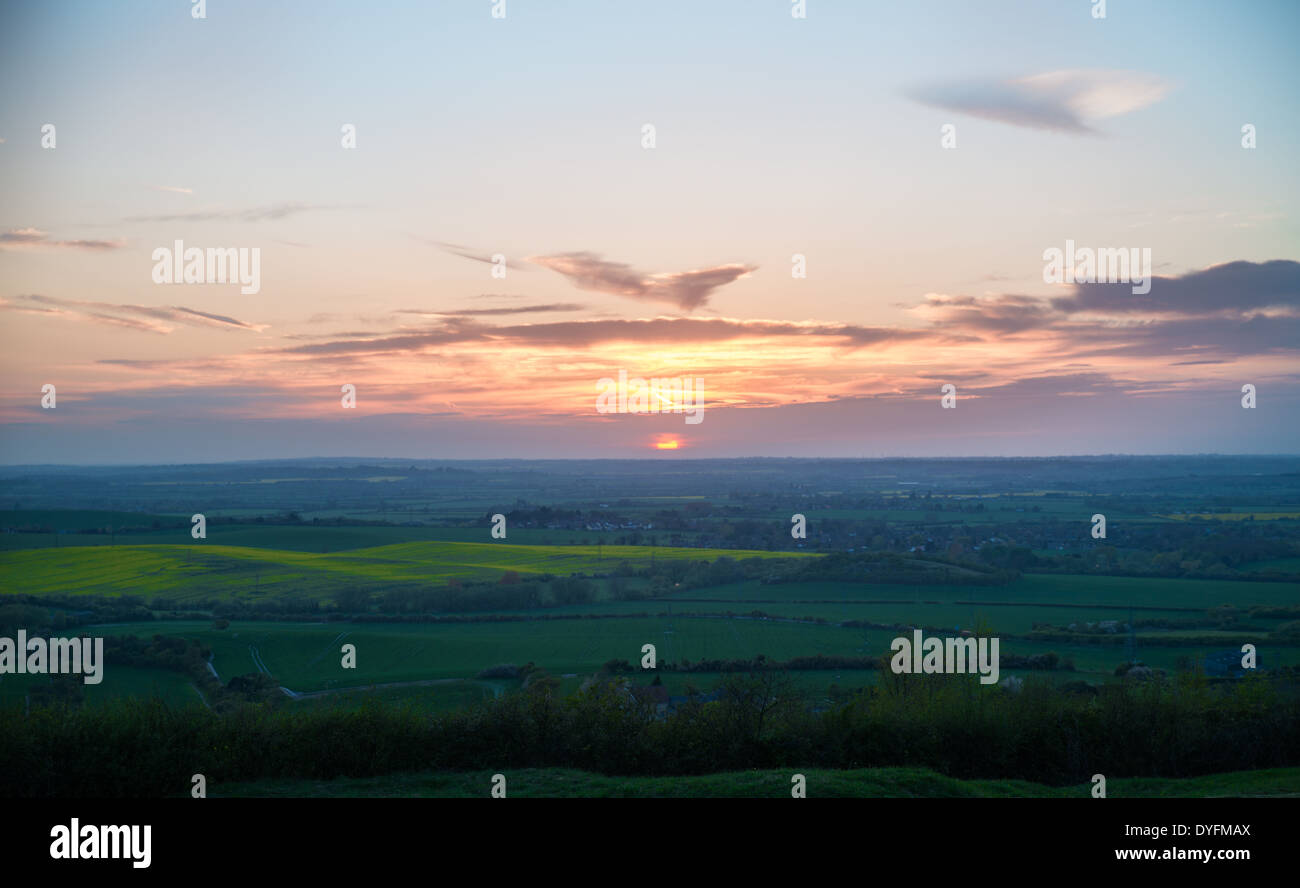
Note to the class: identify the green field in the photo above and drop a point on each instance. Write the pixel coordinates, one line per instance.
(119, 681)
(861, 783)
(433, 697)
(797, 619)
(201, 571)
(74, 521)
(306, 656)
(1118, 593)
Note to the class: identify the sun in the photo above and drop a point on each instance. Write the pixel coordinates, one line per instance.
(667, 443)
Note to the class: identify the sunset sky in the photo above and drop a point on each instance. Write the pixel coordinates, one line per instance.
(523, 136)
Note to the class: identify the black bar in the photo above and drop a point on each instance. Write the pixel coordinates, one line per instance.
(326, 837)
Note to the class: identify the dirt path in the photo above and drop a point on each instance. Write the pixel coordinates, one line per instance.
(257, 659)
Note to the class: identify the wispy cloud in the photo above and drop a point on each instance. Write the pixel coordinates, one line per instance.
(687, 290)
(174, 189)
(153, 319)
(34, 238)
(250, 214)
(470, 253)
(487, 312)
(1209, 308)
(1069, 101)
(586, 334)
(1004, 348)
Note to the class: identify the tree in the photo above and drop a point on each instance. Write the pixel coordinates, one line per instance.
(353, 600)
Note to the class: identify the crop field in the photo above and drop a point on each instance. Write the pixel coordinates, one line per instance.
(579, 639)
(434, 665)
(186, 573)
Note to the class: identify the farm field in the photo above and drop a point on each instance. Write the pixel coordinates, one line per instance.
(433, 666)
(185, 573)
(119, 681)
(429, 698)
(1287, 564)
(430, 608)
(305, 657)
(210, 570)
(573, 641)
(1043, 589)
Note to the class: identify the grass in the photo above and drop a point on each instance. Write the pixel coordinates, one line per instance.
(863, 783)
(119, 681)
(306, 656)
(427, 698)
(1115, 593)
(1289, 565)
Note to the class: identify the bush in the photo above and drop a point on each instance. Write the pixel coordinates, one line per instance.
(949, 723)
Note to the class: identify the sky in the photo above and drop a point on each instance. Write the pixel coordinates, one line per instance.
(920, 159)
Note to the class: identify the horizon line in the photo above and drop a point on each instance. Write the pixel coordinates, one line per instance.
(646, 459)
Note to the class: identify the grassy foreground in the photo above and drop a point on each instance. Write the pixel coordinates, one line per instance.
(862, 783)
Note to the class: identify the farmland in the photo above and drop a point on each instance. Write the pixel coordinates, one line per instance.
(733, 621)
(399, 563)
(188, 572)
